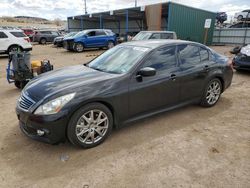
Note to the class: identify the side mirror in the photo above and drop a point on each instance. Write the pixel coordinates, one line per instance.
(147, 71)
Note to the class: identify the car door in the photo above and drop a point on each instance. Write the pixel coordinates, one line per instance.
(4, 41)
(193, 72)
(151, 93)
(91, 40)
(101, 38)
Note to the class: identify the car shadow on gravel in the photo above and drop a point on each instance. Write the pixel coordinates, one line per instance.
(22, 154)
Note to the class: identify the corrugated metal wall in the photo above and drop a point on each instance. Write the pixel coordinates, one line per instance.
(188, 22)
(232, 36)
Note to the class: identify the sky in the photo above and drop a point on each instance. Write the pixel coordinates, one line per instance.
(52, 9)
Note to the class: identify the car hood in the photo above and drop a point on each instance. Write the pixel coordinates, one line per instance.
(63, 80)
(59, 38)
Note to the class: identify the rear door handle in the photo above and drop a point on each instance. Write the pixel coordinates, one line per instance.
(173, 77)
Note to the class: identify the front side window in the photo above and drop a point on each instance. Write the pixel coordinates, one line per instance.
(142, 36)
(100, 33)
(3, 35)
(189, 55)
(18, 34)
(91, 33)
(162, 59)
(156, 36)
(119, 59)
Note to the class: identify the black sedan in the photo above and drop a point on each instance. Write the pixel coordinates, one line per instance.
(129, 82)
(241, 62)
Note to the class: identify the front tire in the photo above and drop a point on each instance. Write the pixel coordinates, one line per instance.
(78, 47)
(90, 125)
(43, 41)
(14, 48)
(240, 17)
(212, 93)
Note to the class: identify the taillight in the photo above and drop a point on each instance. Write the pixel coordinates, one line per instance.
(230, 63)
(27, 39)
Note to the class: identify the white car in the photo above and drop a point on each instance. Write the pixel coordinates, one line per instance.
(147, 35)
(13, 40)
(242, 15)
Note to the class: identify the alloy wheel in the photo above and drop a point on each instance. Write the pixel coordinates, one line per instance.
(92, 126)
(213, 92)
(110, 45)
(79, 47)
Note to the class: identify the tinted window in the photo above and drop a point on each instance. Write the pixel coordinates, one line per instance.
(54, 33)
(100, 33)
(189, 55)
(167, 36)
(156, 36)
(92, 33)
(45, 32)
(3, 35)
(18, 34)
(162, 59)
(204, 54)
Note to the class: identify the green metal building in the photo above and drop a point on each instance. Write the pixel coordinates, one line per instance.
(187, 22)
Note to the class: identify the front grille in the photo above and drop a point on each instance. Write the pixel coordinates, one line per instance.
(25, 102)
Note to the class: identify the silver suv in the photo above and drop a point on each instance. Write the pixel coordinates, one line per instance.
(44, 36)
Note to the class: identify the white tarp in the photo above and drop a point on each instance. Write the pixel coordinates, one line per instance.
(245, 50)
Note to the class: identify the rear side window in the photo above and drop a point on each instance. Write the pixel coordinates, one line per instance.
(189, 55)
(3, 35)
(45, 32)
(100, 33)
(204, 54)
(167, 36)
(162, 59)
(18, 34)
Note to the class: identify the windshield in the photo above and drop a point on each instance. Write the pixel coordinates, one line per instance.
(81, 33)
(142, 36)
(119, 59)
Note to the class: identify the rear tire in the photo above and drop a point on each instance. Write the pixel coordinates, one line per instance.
(110, 44)
(90, 125)
(43, 41)
(14, 48)
(212, 93)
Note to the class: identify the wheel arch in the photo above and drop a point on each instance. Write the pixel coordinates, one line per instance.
(14, 45)
(103, 102)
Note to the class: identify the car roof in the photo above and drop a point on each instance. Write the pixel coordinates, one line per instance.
(12, 30)
(157, 31)
(157, 43)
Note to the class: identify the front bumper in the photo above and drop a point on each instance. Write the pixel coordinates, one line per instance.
(53, 126)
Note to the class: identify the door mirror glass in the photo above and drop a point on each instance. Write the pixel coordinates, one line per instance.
(147, 71)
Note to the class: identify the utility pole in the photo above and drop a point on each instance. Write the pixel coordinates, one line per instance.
(135, 3)
(85, 6)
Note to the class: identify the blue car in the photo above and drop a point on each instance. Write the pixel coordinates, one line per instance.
(92, 38)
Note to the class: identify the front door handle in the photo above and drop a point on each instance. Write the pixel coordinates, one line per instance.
(206, 68)
(173, 77)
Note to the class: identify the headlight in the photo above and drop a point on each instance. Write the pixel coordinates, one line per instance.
(55, 105)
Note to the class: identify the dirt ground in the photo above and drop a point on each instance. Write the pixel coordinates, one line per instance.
(188, 147)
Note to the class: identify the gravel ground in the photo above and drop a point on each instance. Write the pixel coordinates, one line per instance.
(188, 147)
